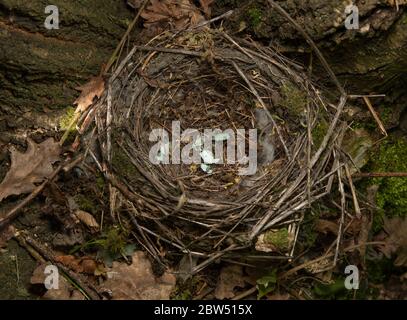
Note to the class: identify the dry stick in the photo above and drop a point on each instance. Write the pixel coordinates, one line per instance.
(88, 288)
(123, 40)
(245, 293)
(256, 94)
(13, 213)
(258, 227)
(311, 262)
(213, 257)
(380, 175)
(204, 23)
(357, 96)
(375, 116)
(309, 136)
(300, 267)
(169, 50)
(343, 204)
(311, 43)
(309, 150)
(353, 191)
(108, 66)
(37, 256)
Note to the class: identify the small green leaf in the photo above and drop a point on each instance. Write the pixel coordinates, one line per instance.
(266, 284)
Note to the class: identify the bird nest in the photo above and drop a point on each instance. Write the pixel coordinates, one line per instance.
(272, 133)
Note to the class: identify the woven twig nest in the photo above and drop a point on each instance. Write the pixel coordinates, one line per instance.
(205, 79)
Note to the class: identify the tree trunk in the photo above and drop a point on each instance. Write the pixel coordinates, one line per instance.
(373, 57)
(40, 68)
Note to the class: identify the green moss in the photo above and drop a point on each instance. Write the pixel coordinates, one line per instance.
(379, 271)
(266, 284)
(123, 165)
(386, 115)
(66, 119)
(307, 235)
(16, 267)
(100, 182)
(293, 99)
(184, 295)
(114, 241)
(84, 203)
(278, 238)
(357, 143)
(319, 132)
(255, 17)
(368, 125)
(392, 193)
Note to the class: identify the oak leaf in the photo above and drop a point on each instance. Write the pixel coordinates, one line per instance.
(396, 240)
(137, 281)
(205, 4)
(230, 278)
(82, 265)
(178, 14)
(87, 219)
(6, 235)
(89, 91)
(30, 167)
(64, 291)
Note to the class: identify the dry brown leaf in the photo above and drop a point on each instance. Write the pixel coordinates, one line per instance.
(137, 281)
(89, 91)
(81, 265)
(64, 292)
(135, 4)
(325, 226)
(278, 296)
(364, 229)
(205, 4)
(6, 235)
(87, 219)
(397, 3)
(177, 14)
(30, 167)
(70, 262)
(230, 278)
(396, 240)
(89, 266)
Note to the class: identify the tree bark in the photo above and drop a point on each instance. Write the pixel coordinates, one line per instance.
(372, 58)
(40, 68)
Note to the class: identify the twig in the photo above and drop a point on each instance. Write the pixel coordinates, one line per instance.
(342, 220)
(380, 175)
(245, 293)
(169, 50)
(326, 256)
(13, 213)
(375, 116)
(357, 96)
(353, 191)
(43, 255)
(124, 38)
(204, 23)
(260, 100)
(311, 43)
